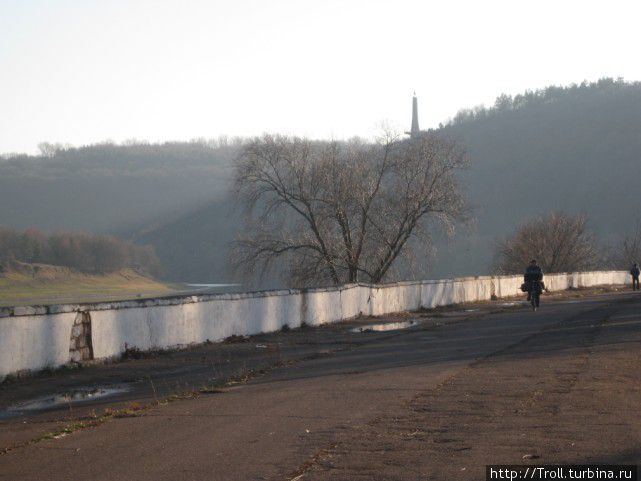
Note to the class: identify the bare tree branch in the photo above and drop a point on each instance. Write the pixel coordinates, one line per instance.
(338, 211)
(559, 242)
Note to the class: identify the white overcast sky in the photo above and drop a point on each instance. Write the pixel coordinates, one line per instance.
(82, 71)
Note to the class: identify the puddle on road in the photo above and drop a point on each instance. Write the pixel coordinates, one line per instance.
(75, 396)
(388, 326)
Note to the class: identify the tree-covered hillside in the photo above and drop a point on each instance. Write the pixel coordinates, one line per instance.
(575, 148)
(111, 188)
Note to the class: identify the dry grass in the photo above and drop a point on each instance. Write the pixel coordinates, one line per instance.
(53, 284)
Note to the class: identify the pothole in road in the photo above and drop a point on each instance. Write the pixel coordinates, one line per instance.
(75, 396)
(387, 326)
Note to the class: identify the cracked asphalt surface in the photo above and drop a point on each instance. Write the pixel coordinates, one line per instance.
(470, 386)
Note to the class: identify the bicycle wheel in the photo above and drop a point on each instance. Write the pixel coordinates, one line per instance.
(533, 300)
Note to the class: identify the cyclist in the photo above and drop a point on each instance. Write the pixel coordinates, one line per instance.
(634, 272)
(534, 281)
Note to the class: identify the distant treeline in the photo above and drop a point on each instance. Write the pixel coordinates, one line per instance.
(532, 98)
(111, 188)
(129, 157)
(93, 254)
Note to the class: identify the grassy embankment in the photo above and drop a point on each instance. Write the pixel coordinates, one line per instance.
(43, 284)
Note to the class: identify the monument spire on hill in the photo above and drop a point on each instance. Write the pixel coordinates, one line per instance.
(414, 130)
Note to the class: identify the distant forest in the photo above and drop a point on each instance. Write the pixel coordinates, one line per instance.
(91, 254)
(547, 95)
(110, 188)
(575, 148)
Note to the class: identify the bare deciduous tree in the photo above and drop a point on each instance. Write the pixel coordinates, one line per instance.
(626, 251)
(559, 242)
(82, 252)
(631, 247)
(342, 212)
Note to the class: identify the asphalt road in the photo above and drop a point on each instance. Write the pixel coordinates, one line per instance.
(437, 401)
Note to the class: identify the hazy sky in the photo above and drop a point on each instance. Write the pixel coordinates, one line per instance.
(83, 71)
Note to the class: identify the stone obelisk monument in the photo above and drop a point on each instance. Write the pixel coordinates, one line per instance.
(414, 130)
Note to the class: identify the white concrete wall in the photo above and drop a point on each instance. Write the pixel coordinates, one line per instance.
(34, 342)
(33, 338)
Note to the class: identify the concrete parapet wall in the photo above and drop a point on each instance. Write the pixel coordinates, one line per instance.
(38, 337)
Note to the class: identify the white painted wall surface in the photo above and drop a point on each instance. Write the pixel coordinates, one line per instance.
(34, 342)
(33, 338)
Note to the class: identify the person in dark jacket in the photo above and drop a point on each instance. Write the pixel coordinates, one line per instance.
(534, 280)
(635, 276)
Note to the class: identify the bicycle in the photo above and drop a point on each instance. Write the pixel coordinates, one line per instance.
(535, 290)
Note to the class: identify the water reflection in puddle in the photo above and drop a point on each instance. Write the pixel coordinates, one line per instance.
(75, 396)
(388, 326)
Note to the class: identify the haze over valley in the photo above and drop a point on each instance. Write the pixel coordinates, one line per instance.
(574, 148)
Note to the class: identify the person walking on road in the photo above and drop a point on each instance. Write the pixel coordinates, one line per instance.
(635, 276)
(534, 280)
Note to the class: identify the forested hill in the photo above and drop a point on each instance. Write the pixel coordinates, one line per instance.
(111, 188)
(575, 148)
